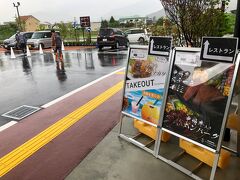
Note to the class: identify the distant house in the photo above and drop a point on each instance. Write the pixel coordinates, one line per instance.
(156, 15)
(95, 26)
(29, 23)
(45, 25)
(132, 20)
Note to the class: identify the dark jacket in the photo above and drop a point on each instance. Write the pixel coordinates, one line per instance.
(20, 39)
(56, 40)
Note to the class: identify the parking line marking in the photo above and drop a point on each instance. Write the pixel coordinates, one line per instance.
(9, 124)
(79, 89)
(18, 155)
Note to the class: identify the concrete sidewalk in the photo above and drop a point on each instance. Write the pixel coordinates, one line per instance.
(115, 159)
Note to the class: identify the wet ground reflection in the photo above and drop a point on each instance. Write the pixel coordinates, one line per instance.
(34, 80)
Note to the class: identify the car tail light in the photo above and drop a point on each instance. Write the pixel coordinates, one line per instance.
(111, 38)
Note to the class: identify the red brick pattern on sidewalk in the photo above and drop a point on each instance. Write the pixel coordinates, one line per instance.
(58, 158)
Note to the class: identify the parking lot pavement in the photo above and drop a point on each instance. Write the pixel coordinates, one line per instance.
(2, 49)
(34, 80)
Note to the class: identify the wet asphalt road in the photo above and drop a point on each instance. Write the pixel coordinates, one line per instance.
(34, 80)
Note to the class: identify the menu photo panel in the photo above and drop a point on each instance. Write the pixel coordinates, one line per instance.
(197, 98)
(144, 85)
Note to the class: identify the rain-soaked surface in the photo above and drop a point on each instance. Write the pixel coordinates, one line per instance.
(34, 80)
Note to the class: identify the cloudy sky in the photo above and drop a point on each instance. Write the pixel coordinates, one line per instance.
(65, 10)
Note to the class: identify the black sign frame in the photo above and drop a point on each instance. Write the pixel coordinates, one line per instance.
(85, 21)
(219, 49)
(160, 45)
(163, 126)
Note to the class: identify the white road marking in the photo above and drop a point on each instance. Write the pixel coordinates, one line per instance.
(79, 89)
(5, 126)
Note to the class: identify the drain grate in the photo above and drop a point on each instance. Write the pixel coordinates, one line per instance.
(21, 112)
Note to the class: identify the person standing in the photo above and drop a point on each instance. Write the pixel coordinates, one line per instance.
(57, 47)
(21, 41)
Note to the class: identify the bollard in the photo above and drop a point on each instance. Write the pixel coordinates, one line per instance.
(12, 54)
(40, 49)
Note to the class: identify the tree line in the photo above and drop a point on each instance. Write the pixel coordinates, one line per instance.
(186, 20)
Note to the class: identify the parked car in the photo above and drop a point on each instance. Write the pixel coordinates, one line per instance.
(11, 42)
(111, 59)
(137, 35)
(111, 37)
(40, 37)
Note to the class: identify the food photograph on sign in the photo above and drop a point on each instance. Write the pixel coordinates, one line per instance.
(144, 85)
(197, 98)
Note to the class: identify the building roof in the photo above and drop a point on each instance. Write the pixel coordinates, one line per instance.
(129, 18)
(25, 18)
(45, 23)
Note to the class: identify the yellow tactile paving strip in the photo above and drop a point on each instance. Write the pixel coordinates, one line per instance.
(121, 72)
(15, 157)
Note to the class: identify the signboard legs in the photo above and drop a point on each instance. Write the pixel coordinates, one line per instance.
(83, 35)
(187, 112)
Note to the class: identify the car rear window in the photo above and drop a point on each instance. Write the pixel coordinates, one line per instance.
(28, 35)
(48, 35)
(37, 35)
(106, 32)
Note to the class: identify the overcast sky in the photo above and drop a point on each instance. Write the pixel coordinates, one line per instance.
(65, 10)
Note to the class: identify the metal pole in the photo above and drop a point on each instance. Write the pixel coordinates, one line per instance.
(83, 35)
(75, 34)
(19, 21)
(90, 37)
(237, 23)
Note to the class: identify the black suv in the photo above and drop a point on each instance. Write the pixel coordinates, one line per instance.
(111, 37)
(11, 42)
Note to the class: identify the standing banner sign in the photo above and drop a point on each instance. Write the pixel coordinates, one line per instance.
(144, 84)
(215, 49)
(160, 46)
(199, 92)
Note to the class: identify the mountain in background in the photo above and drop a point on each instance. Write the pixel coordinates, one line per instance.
(140, 9)
(156, 15)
